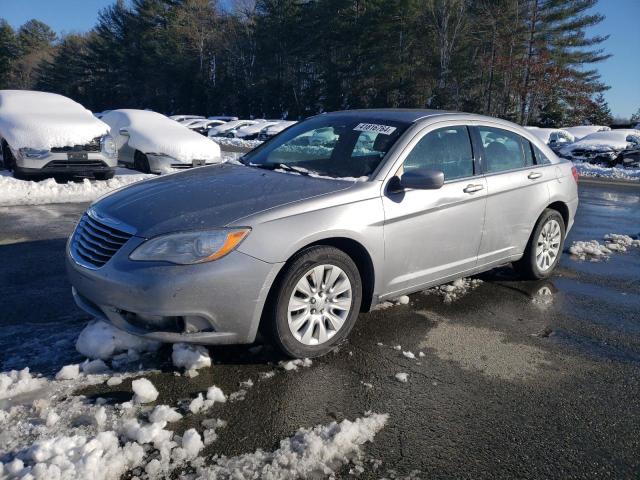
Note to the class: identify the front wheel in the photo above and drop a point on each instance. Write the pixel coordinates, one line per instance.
(141, 162)
(544, 248)
(316, 303)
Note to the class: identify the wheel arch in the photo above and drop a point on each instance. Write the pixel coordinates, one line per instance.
(562, 209)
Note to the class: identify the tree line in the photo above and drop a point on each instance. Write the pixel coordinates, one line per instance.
(529, 61)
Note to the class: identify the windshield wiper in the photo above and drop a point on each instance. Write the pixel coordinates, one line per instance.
(281, 166)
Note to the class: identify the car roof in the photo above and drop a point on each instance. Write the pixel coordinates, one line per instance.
(408, 115)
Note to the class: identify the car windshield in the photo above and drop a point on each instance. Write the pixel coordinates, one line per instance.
(338, 146)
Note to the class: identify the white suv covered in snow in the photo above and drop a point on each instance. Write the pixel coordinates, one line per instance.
(48, 134)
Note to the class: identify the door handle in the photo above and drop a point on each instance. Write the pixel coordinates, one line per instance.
(471, 188)
(534, 175)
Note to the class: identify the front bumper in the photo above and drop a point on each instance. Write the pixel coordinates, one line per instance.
(213, 303)
(165, 164)
(60, 163)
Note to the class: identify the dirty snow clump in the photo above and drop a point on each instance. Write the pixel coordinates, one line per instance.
(295, 364)
(310, 453)
(402, 377)
(190, 357)
(454, 290)
(594, 251)
(102, 340)
(144, 391)
(409, 355)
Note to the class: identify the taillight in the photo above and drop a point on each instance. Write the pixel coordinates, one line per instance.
(574, 172)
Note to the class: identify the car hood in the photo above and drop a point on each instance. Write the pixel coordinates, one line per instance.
(208, 197)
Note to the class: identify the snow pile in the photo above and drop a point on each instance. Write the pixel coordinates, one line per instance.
(403, 300)
(102, 340)
(402, 377)
(42, 120)
(144, 391)
(151, 132)
(456, 289)
(589, 170)
(594, 251)
(214, 394)
(24, 192)
(17, 382)
(78, 456)
(190, 357)
(310, 453)
(236, 142)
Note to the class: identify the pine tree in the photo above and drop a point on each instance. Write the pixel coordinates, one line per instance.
(599, 111)
(8, 53)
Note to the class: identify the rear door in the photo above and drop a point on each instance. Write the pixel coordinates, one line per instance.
(434, 234)
(517, 191)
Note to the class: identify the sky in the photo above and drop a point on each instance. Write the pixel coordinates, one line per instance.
(621, 72)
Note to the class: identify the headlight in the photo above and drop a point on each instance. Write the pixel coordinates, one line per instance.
(108, 145)
(33, 153)
(190, 247)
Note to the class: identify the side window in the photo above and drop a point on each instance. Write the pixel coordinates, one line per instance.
(541, 158)
(447, 149)
(504, 150)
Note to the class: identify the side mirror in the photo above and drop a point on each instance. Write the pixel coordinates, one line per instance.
(422, 179)
(124, 131)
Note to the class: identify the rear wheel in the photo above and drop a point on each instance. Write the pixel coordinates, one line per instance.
(141, 162)
(316, 302)
(544, 248)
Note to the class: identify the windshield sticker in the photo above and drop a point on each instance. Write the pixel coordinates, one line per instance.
(373, 127)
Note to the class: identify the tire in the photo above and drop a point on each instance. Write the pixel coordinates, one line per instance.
(105, 175)
(141, 162)
(321, 319)
(538, 263)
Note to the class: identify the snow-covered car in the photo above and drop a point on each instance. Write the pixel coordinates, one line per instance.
(229, 129)
(272, 130)
(582, 131)
(151, 143)
(251, 132)
(203, 126)
(556, 138)
(608, 147)
(223, 118)
(182, 118)
(48, 134)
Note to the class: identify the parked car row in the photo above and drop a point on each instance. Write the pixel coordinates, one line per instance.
(593, 144)
(233, 127)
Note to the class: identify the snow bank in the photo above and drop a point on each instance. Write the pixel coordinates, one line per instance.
(589, 170)
(594, 251)
(151, 132)
(456, 289)
(45, 120)
(102, 340)
(310, 453)
(21, 192)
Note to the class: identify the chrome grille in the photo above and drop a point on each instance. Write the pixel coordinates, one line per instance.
(94, 242)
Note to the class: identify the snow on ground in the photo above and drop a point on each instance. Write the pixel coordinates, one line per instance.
(595, 251)
(24, 192)
(453, 291)
(310, 453)
(102, 340)
(190, 357)
(236, 142)
(590, 170)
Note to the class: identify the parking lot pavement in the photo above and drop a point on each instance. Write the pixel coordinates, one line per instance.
(518, 379)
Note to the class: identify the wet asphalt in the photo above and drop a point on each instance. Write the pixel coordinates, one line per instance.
(519, 379)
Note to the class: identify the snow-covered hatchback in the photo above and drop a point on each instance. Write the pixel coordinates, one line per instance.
(302, 236)
(48, 134)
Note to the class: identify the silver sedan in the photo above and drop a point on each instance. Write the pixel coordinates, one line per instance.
(300, 236)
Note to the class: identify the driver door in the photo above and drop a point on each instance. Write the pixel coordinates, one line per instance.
(432, 235)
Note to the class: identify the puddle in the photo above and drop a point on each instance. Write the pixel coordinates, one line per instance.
(483, 350)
